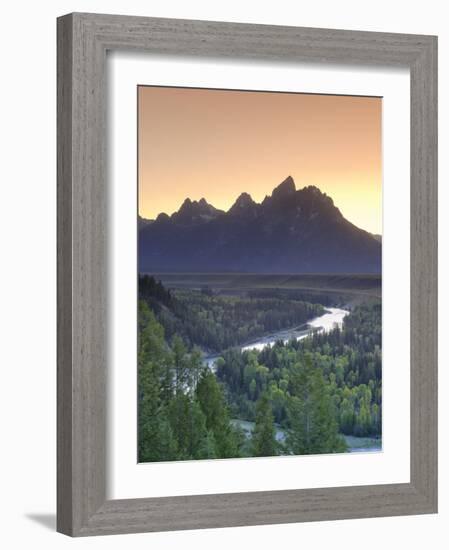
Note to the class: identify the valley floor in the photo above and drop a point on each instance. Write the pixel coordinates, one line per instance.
(287, 352)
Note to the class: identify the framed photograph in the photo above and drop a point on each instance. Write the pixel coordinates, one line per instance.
(247, 274)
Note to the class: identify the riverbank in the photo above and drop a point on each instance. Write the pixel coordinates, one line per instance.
(331, 318)
(355, 444)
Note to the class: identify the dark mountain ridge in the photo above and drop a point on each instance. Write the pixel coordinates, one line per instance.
(290, 231)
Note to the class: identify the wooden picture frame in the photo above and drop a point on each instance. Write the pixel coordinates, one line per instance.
(83, 40)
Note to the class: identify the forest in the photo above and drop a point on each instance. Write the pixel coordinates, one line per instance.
(218, 322)
(312, 391)
(182, 412)
(349, 362)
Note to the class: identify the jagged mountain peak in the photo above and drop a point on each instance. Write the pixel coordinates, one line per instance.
(195, 212)
(243, 201)
(287, 188)
(244, 207)
(291, 231)
(314, 191)
(313, 195)
(200, 205)
(162, 217)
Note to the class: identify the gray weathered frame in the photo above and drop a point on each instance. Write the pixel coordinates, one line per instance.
(83, 40)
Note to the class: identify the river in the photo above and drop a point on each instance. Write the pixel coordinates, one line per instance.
(324, 323)
(332, 317)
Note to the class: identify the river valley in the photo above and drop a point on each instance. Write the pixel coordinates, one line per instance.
(324, 323)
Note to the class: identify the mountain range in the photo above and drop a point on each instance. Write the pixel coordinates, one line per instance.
(290, 231)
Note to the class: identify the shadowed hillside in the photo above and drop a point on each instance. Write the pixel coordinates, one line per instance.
(291, 231)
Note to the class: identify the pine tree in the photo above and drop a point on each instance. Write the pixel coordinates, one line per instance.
(208, 447)
(180, 360)
(167, 442)
(347, 416)
(264, 435)
(313, 427)
(195, 367)
(211, 400)
(189, 426)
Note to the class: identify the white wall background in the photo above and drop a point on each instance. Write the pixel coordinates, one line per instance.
(27, 287)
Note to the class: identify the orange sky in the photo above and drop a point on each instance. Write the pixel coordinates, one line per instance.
(218, 143)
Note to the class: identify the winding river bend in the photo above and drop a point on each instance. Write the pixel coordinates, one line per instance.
(332, 317)
(324, 323)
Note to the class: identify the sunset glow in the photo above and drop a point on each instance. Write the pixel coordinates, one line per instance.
(217, 144)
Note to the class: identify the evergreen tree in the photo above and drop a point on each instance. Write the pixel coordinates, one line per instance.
(181, 366)
(156, 440)
(212, 403)
(313, 427)
(347, 416)
(189, 426)
(264, 435)
(167, 443)
(195, 368)
(208, 448)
